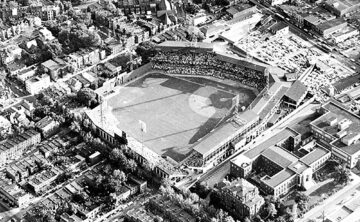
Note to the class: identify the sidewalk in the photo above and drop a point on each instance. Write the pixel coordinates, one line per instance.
(322, 207)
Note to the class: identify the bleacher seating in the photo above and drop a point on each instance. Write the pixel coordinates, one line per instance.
(206, 64)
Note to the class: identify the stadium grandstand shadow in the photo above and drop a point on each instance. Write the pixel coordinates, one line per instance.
(177, 153)
(204, 129)
(170, 134)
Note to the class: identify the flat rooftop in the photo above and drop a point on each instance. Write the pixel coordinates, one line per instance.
(314, 155)
(340, 113)
(331, 24)
(342, 4)
(278, 178)
(256, 151)
(279, 156)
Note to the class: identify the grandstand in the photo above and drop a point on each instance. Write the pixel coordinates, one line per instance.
(191, 59)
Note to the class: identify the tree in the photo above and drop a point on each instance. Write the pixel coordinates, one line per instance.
(78, 198)
(49, 217)
(166, 182)
(247, 219)
(192, 8)
(222, 2)
(257, 218)
(75, 126)
(35, 214)
(271, 210)
(302, 200)
(210, 210)
(221, 215)
(229, 219)
(158, 219)
(342, 175)
(118, 159)
(194, 197)
(301, 197)
(146, 50)
(119, 175)
(281, 219)
(41, 111)
(132, 165)
(87, 96)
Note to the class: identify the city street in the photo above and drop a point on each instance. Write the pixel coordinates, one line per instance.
(332, 207)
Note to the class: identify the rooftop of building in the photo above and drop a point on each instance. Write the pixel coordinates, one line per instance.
(52, 64)
(70, 218)
(338, 113)
(238, 8)
(170, 206)
(27, 70)
(279, 156)
(44, 176)
(10, 143)
(317, 153)
(278, 26)
(278, 178)
(298, 167)
(140, 214)
(15, 66)
(342, 4)
(239, 187)
(351, 149)
(24, 163)
(345, 30)
(256, 151)
(346, 82)
(331, 24)
(44, 122)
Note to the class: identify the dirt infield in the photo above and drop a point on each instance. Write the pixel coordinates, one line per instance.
(177, 112)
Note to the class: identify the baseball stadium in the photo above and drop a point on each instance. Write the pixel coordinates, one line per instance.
(194, 106)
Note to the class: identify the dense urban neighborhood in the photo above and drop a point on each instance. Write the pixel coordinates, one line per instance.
(180, 111)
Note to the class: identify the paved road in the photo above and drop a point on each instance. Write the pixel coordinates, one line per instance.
(332, 205)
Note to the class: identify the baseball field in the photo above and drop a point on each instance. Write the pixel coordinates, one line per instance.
(177, 112)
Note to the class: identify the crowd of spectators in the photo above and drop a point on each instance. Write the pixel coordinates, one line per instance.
(207, 64)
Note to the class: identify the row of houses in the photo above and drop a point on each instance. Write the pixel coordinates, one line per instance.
(14, 147)
(321, 20)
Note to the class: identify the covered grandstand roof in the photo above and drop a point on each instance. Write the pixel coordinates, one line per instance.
(180, 45)
(234, 59)
(296, 91)
(224, 133)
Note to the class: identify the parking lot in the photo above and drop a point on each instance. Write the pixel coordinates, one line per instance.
(287, 52)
